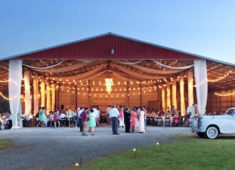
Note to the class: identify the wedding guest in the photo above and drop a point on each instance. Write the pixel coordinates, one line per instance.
(133, 119)
(42, 117)
(97, 114)
(114, 113)
(84, 118)
(121, 118)
(141, 120)
(92, 121)
(56, 119)
(80, 119)
(127, 118)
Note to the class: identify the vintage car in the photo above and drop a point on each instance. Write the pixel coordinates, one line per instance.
(212, 126)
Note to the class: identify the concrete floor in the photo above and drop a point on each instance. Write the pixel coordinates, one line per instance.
(61, 148)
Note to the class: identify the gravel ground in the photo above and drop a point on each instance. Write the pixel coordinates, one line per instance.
(60, 148)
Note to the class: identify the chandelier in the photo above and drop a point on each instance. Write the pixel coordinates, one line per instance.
(108, 84)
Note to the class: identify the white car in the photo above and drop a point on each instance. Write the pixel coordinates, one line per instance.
(212, 126)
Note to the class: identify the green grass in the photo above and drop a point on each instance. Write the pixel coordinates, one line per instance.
(187, 154)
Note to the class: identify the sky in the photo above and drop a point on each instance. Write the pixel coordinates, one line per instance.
(204, 27)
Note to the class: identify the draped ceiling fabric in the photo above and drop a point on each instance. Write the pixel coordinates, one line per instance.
(163, 99)
(48, 92)
(172, 67)
(151, 70)
(182, 102)
(64, 69)
(168, 92)
(200, 74)
(14, 85)
(190, 89)
(35, 95)
(42, 85)
(123, 70)
(27, 97)
(174, 92)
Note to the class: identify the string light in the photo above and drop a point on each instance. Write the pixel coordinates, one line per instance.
(225, 94)
(4, 81)
(220, 78)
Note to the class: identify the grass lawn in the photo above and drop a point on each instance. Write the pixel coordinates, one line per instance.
(187, 154)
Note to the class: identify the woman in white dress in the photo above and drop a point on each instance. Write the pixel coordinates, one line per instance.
(141, 120)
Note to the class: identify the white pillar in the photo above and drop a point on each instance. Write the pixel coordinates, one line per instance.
(174, 94)
(14, 88)
(53, 97)
(163, 99)
(35, 95)
(48, 108)
(182, 101)
(168, 92)
(190, 89)
(200, 74)
(27, 97)
(42, 85)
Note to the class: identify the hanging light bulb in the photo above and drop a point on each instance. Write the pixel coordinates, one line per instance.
(108, 84)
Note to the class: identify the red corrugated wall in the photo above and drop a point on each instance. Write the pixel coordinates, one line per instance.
(100, 48)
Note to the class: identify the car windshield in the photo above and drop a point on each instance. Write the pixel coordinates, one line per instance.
(230, 112)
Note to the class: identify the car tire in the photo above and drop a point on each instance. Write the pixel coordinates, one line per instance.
(201, 134)
(212, 132)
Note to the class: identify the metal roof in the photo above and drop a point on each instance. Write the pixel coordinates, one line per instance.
(98, 47)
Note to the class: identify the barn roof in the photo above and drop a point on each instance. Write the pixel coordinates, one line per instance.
(111, 46)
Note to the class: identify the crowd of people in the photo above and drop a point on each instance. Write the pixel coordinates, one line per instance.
(5, 121)
(128, 118)
(88, 119)
(132, 119)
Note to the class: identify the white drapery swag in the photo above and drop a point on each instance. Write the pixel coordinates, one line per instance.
(200, 74)
(14, 85)
(172, 67)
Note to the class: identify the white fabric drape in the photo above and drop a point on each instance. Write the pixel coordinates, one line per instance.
(172, 67)
(27, 97)
(48, 109)
(35, 95)
(174, 94)
(168, 92)
(200, 75)
(42, 85)
(53, 97)
(190, 89)
(182, 101)
(131, 63)
(155, 71)
(43, 68)
(14, 85)
(163, 99)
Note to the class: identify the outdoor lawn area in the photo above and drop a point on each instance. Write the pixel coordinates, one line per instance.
(185, 154)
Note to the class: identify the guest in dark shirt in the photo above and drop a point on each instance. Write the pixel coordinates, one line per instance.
(127, 118)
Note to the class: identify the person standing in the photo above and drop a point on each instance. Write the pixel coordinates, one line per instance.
(127, 118)
(114, 113)
(42, 116)
(84, 118)
(80, 119)
(141, 120)
(92, 121)
(121, 118)
(133, 119)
